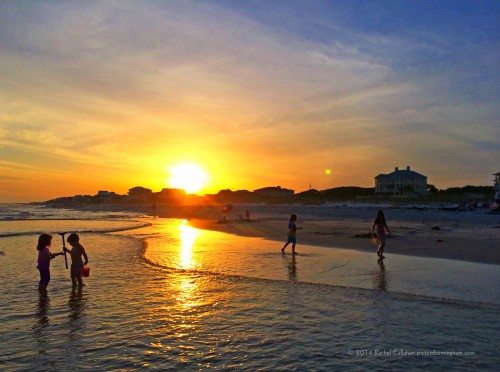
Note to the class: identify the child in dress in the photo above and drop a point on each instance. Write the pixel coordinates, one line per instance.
(381, 226)
(44, 257)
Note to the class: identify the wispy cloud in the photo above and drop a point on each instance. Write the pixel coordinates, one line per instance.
(130, 85)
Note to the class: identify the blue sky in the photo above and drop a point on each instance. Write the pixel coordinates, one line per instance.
(285, 89)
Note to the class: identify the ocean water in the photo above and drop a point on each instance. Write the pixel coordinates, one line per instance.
(168, 296)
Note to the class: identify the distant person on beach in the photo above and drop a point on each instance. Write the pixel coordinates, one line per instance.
(77, 252)
(247, 215)
(292, 229)
(381, 226)
(44, 257)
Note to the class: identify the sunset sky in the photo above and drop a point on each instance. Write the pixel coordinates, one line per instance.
(107, 95)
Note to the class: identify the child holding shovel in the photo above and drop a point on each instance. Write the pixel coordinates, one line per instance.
(77, 252)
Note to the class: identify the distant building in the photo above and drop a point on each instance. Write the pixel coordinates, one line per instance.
(170, 195)
(274, 192)
(236, 196)
(225, 192)
(140, 193)
(82, 198)
(105, 194)
(497, 186)
(401, 182)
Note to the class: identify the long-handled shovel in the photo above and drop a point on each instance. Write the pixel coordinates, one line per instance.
(64, 249)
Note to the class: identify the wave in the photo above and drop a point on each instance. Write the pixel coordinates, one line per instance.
(41, 218)
(18, 212)
(93, 231)
(50, 217)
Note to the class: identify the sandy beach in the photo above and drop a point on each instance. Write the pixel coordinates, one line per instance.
(474, 244)
(426, 231)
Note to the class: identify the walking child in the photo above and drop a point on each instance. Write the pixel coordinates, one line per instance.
(292, 229)
(44, 257)
(381, 226)
(77, 251)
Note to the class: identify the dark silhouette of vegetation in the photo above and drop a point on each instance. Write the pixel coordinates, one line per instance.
(336, 193)
(432, 190)
(313, 196)
(461, 191)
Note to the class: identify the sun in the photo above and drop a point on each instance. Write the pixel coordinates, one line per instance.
(187, 176)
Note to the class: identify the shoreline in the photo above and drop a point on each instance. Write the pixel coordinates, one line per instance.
(464, 236)
(331, 234)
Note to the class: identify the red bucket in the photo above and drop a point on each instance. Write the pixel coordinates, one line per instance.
(86, 271)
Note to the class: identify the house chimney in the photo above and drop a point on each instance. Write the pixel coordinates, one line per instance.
(396, 169)
(408, 167)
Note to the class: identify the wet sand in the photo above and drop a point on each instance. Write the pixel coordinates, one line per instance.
(427, 231)
(473, 244)
(175, 243)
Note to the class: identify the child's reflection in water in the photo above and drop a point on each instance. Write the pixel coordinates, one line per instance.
(76, 303)
(42, 319)
(380, 278)
(292, 269)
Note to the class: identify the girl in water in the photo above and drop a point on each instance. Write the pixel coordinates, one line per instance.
(292, 230)
(44, 257)
(381, 226)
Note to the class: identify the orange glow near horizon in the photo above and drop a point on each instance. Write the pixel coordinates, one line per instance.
(229, 104)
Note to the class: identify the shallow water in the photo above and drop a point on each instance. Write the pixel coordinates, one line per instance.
(172, 305)
(175, 244)
(34, 227)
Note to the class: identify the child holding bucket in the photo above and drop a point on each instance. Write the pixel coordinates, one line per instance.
(77, 264)
(381, 226)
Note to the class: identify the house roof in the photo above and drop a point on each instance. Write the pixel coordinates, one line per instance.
(139, 188)
(402, 173)
(277, 188)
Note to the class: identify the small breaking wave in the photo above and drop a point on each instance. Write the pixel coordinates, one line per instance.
(88, 231)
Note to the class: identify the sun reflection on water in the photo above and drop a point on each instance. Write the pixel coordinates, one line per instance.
(187, 235)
